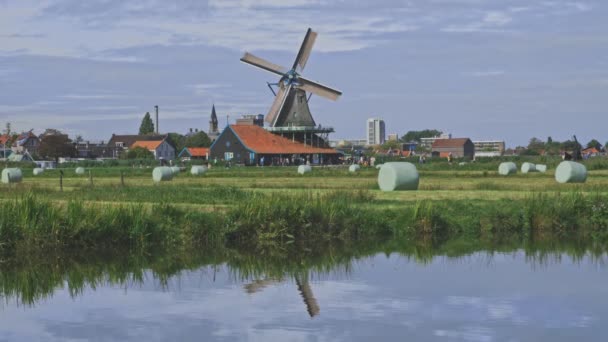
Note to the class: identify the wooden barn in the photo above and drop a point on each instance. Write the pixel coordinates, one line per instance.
(253, 145)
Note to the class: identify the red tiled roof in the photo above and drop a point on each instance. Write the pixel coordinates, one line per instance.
(198, 151)
(590, 150)
(456, 142)
(4, 138)
(150, 145)
(260, 140)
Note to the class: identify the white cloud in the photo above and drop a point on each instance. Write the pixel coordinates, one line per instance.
(493, 21)
(485, 73)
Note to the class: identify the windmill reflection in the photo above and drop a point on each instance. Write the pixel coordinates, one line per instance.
(302, 283)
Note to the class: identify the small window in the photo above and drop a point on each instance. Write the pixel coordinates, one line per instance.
(119, 144)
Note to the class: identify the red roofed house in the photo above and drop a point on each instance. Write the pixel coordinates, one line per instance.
(160, 148)
(189, 153)
(458, 147)
(250, 144)
(590, 152)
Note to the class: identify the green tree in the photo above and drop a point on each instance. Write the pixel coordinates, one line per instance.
(536, 145)
(606, 146)
(147, 126)
(417, 135)
(178, 141)
(391, 144)
(138, 153)
(198, 139)
(569, 145)
(594, 143)
(55, 146)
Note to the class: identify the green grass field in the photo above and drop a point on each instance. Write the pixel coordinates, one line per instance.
(275, 205)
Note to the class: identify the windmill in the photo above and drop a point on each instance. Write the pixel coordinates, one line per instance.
(289, 112)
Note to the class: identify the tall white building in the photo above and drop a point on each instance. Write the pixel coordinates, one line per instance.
(375, 131)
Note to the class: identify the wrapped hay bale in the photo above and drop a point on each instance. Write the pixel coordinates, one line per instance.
(11, 175)
(462, 164)
(38, 171)
(162, 173)
(302, 169)
(379, 166)
(541, 168)
(570, 172)
(398, 176)
(80, 170)
(507, 168)
(528, 167)
(175, 169)
(354, 168)
(198, 170)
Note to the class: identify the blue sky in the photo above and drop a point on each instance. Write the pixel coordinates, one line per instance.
(485, 69)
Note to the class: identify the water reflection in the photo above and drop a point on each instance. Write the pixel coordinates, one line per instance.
(383, 290)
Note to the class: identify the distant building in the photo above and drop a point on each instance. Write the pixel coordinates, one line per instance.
(348, 143)
(5, 150)
(121, 143)
(257, 120)
(26, 142)
(160, 148)
(428, 142)
(409, 146)
(253, 145)
(214, 131)
(489, 148)
(393, 137)
(375, 131)
(457, 147)
(89, 150)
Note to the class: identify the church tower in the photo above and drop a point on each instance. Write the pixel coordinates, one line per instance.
(213, 125)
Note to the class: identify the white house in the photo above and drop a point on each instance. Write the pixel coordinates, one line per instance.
(160, 148)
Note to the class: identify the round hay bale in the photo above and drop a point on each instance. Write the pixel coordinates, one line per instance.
(528, 167)
(354, 168)
(541, 168)
(11, 175)
(302, 169)
(379, 166)
(38, 171)
(198, 170)
(80, 170)
(162, 174)
(570, 172)
(398, 176)
(507, 168)
(175, 169)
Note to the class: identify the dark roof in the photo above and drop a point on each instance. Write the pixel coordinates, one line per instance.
(129, 140)
(456, 142)
(259, 140)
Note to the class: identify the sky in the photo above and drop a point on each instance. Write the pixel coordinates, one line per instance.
(484, 69)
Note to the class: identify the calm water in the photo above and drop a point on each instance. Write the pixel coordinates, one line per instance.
(479, 297)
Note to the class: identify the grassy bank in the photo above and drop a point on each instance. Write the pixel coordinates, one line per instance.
(258, 219)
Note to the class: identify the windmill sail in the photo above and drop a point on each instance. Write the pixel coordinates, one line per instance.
(305, 49)
(290, 106)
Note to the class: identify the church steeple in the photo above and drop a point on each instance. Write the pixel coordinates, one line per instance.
(213, 122)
